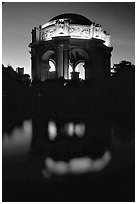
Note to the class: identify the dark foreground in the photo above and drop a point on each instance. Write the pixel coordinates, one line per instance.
(106, 108)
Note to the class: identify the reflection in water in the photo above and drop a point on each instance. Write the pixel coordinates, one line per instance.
(71, 155)
(52, 130)
(60, 153)
(19, 141)
(76, 165)
(80, 130)
(69, 129)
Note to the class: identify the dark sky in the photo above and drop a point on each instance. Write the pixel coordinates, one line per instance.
(18, 19)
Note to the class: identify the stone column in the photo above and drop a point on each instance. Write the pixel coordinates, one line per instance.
(86, 70)
(74, 75)
(89, 70)
(33, 68)
(108, 64)
(44, 70)
(91, 31)
(60, 61)
(38, 65)
(33, 64)
(66, 23)
(65, 63)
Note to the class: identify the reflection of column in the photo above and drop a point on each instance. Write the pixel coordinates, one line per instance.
(65, 63)
(60, 61)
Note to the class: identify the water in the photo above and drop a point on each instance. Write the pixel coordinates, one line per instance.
(73, 160)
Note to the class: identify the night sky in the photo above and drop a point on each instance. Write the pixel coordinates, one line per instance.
(18, 19)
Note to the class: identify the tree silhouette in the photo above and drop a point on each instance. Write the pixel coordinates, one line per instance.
(123, 67)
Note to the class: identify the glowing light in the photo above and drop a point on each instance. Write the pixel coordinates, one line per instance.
(76, 165)
(52, 130)
(70, 70)
(49, 162)
(56, 167)
(80, 165)
(69, 129)
(80, 130)
(19, 141)
(59, 28)
(100, 164)
(27, 127)
(52, 66)
(83, 165)
(79, 68)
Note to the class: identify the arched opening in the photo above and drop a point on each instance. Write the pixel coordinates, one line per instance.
(70, 70)
(79, 58)
(52, 66)
(48, 67)
(80, 68)
(47, 55)
(52, 69)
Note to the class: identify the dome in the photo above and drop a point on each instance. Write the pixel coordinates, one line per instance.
(74, 18)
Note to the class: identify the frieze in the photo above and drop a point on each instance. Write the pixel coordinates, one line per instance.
(78, 31)
(63, 28)
(48, 33)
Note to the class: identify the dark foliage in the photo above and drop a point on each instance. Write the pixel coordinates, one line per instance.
(123, 67)
(103, 99)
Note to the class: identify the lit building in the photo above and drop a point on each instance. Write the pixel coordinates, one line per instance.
(70, 46)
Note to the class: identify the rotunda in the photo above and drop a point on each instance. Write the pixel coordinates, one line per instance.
(70, 46)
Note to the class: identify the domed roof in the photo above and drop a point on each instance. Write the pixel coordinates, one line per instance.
(74, 18)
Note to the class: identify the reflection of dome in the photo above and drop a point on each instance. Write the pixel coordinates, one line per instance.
(74, 18)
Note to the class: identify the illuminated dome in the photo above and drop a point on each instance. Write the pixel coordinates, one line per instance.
(73, 18)
(70, 46)
(74, 26)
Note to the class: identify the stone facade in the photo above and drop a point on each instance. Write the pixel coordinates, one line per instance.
(67, 42)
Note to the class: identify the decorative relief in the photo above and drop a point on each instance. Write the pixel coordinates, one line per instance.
(33, 52)
(61, 28)
(97, 32)
(106, 38)
(103, 36)
(48, 33)
(79, 31)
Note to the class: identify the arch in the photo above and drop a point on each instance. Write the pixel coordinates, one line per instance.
(46, 55)
(52, 65)
(45, 66)
(76, 54)
(80, 68)
(52, 69)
